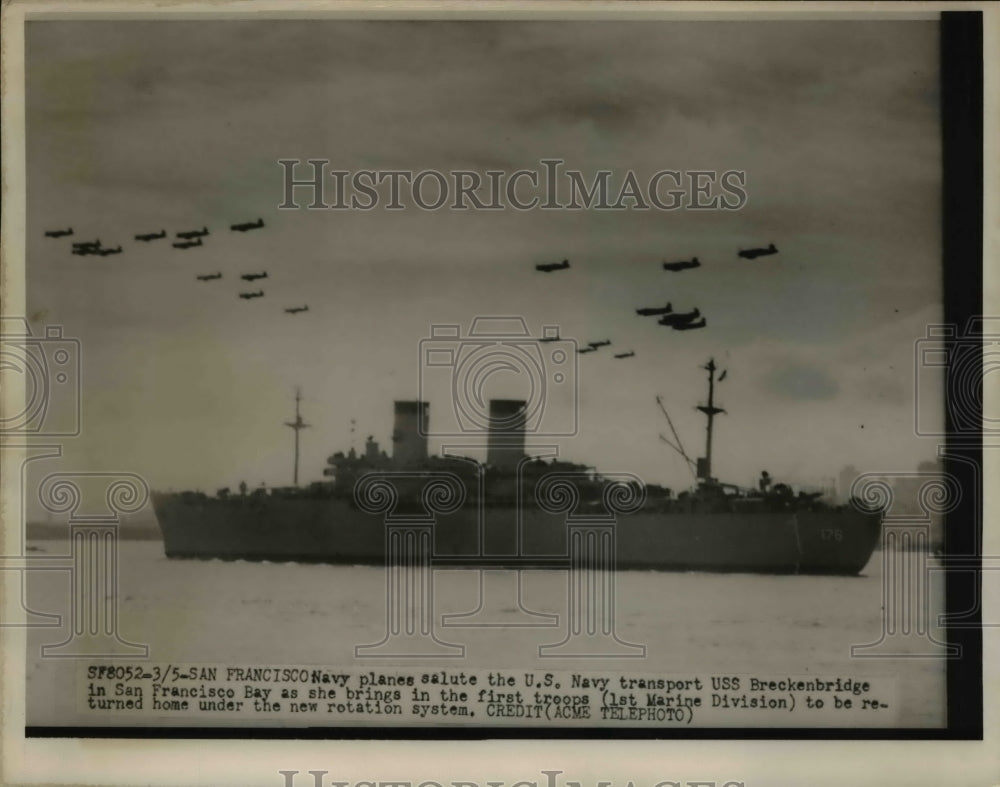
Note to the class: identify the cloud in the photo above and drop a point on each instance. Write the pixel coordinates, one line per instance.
(798, 380)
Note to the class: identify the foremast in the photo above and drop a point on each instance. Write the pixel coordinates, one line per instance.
(297, 426)
(704, 464)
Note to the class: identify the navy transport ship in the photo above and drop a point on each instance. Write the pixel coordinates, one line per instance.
(512, 511)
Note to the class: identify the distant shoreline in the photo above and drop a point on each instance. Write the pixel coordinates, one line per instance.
(44, 531)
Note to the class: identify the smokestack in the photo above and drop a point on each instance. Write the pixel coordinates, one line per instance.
(408, 445)
(505, 447)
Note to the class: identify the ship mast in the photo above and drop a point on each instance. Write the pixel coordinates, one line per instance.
(297, 425)
(710, 410)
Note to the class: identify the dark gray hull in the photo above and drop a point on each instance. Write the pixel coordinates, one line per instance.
(330, 530)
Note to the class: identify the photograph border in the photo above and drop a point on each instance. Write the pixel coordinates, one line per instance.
(967, 540)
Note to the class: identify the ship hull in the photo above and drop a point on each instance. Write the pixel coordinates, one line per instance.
(330, 530)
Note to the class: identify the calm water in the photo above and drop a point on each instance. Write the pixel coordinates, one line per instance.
(262, 613)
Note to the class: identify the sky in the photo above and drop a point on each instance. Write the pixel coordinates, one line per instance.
(137, 126)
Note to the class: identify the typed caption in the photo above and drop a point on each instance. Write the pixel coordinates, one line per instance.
(214, 694)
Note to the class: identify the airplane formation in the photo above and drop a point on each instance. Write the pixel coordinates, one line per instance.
(183, 240)
(678, 321)
(189, 239)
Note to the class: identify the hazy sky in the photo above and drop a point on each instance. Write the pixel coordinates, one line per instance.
(138, 126)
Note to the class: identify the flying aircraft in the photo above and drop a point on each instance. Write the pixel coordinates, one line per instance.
(588, 349)
(690, 326)
(629, 354)
(548, 267)
(254, 276)
(248, 295)
(187, 244)
(88, 244)
(193, 233)
(106, 252)
(58, 233)
(603, 343)
(650, 311)
(679, 318)
(682, 265)
(151, 236)
(250, 225)
(752, 254)
(83, 251)
(297, 309)
(209, 276)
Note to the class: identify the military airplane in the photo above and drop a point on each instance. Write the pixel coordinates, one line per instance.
(588, 349)
(603, 343)
(690, 326)
(629, 354)
(187, 244)
(679, 318)
(147, 237)
(297, 309)
(83, 251)
(248, 295)
(106, 252)
(249, 225)
(190, 234)
(752, 254)
(88, 244)
(254, 276)
(682, 265)
(651, 311)
(548, 267)
(58, 233)
(209, 276)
